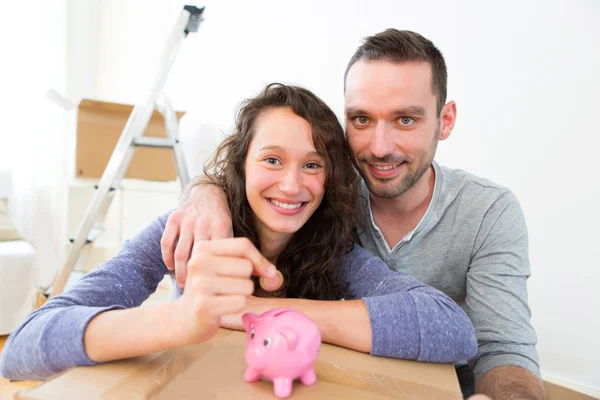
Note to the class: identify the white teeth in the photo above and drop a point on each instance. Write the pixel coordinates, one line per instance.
(385, 167)
(286, 206)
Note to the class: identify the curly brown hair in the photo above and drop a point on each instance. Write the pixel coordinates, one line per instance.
(311, 263)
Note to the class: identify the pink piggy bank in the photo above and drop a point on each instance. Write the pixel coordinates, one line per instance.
(281, 345)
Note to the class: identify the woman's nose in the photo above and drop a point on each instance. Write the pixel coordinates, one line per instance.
(290, 184)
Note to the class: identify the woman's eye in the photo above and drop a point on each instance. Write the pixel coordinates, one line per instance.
(272, 160)
(406, 120)
(361, 120)
(313, 165)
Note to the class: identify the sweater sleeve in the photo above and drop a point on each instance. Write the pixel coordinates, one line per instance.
(50, 339)
(409, 319)
(496, 298)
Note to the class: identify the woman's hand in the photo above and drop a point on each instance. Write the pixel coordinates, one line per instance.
(218, 284)
(255, 305)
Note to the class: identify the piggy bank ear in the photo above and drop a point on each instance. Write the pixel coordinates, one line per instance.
(247, 319)
(290, 336)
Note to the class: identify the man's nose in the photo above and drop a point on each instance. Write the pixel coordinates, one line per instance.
(290, 184)
(381, 142)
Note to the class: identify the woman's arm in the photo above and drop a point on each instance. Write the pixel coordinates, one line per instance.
(408, 319)
(343, 323)
(51, 339)
(99, 318)
(218, 283)
(392, 314)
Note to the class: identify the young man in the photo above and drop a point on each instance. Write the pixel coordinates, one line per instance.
(461, 234)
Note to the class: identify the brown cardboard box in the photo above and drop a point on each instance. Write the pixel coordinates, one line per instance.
(99, 126)
(213, 370)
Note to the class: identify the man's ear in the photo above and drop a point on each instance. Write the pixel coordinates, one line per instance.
(447, 119)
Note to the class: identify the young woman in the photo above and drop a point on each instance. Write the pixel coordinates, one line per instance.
(292, 190)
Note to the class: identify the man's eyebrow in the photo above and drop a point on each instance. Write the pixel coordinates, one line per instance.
(412, 110)
(354, 111)
(417, 111)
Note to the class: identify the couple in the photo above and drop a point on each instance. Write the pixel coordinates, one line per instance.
(286, 175)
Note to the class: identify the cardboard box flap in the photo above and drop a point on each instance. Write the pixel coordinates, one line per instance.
(99, 126)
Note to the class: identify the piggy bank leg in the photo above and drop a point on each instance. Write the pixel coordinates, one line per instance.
(309, 377)
(251, 375)
(283, 387)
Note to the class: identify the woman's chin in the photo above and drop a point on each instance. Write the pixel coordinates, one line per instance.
(284, 228)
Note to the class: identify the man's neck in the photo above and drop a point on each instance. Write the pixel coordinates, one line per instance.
(397, 216)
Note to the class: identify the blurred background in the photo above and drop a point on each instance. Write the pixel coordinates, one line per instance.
(524, 74)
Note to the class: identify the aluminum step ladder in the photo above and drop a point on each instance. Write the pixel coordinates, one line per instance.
(92, 225)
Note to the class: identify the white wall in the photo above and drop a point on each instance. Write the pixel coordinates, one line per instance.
(32, 137)
(524, 75)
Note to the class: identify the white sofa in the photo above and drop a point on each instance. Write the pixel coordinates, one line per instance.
(17, 272)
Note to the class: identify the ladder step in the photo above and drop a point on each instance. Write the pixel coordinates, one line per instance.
(154, 142)
(94, 233)
(111, 191)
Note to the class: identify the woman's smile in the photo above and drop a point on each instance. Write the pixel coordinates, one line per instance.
(287, 207)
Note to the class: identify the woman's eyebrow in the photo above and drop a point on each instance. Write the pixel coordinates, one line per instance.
(274, 147)
(271, 147)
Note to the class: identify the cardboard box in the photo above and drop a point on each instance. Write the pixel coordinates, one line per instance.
(99, 126)
(214, 370)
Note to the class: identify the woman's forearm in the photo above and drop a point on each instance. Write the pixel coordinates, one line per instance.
(436, 330)
(342, 323)
(118, 334)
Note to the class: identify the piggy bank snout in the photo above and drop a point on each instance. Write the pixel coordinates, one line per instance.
(256, 357)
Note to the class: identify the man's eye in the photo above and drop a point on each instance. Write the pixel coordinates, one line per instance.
(361, 120)
(272, 160)
(406, 120)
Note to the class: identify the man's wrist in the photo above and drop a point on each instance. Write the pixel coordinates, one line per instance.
(510, 382)
(189, 192)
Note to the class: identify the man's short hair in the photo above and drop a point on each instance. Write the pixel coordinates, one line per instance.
(405, 46)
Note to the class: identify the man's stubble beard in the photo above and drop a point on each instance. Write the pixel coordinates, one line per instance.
(385, 190)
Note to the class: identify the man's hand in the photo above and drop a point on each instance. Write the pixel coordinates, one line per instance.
(218, 284)
(509, 382)
(204, 216)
